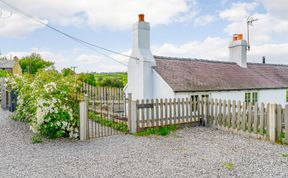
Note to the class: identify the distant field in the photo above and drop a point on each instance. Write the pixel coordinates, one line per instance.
(122, 76)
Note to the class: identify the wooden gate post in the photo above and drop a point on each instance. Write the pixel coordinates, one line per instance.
(3, 94)
(272, 122)
(84, 125)
(286, 122)
(132, 116)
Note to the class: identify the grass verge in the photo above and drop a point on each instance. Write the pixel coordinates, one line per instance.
(109, 123)
(162, 131)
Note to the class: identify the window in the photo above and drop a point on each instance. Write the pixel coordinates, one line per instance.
(251, 97)
(287, 96)
(254, 97)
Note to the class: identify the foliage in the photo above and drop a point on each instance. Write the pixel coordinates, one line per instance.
(115, 80)
(87, 78)
(285, 155)
(3, 58)
(229, 166)
(110, 82)
(36, 139)
(33, 63)
(109, 123)
(118, 79)
(47, 102)
(67, 71)
(163, 131)
(4, 73)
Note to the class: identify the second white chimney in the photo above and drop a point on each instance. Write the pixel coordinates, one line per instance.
(238, 50)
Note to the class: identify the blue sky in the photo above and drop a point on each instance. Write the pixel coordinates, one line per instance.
(182, 28)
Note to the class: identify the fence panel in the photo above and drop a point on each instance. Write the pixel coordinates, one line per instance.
(106, 111)
(163, 112)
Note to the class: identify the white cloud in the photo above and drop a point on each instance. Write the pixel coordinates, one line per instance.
(110, 14)
(16, 25)
(238, 11)
(85, 62)
(269, 25)
(214, 48)
(204, 20)
(210, 48)
(276, 7)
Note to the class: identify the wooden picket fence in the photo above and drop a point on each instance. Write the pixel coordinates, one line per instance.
(163, 112)
(105, 107)
(268, 121)
(265, 121)
(1, 83)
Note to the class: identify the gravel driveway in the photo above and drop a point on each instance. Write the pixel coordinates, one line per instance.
(191, 152)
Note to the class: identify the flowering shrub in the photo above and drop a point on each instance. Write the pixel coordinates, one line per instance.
(47, 102)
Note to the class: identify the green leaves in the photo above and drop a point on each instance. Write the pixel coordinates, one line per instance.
(4, 73)
(47, 101)
(33, 63)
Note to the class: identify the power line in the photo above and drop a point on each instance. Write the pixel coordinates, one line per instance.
(85, 43)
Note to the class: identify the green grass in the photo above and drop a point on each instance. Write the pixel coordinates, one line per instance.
(36, 139)
(285, 155)
(228, 166)
(109, 123)
(163, 131)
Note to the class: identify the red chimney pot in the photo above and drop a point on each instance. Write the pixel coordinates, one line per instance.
(141, 17)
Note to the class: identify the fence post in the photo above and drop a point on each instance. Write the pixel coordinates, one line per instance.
(286, 122)
(3, 94)
(84, 125)
(132, 114)
(272, 122)
(206, 111)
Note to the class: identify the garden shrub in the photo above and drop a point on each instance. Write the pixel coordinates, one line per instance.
(47, 102)
(4, 73)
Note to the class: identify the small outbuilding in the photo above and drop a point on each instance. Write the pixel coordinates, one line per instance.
(11, 66)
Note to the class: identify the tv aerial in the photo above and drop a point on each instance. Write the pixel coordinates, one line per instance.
(250, 21)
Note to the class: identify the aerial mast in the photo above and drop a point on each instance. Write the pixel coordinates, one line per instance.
(250, 21)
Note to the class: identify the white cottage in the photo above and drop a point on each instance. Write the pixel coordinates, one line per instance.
(152, 76)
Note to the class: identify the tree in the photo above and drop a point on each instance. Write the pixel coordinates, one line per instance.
(67, 71)
(88, 78)
(33, 63)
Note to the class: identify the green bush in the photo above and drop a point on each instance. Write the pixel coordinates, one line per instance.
(47, 102)
(4, 73)
(87, 78)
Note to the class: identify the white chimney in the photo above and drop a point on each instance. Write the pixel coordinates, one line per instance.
(238, 50)
(140, 70)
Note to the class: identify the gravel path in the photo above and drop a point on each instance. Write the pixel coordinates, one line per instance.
(191, 152)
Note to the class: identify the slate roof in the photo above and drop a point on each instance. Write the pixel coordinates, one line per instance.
(203, 75)
(7, 64)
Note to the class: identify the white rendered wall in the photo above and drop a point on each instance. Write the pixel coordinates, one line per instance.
(160, 88)
(140, 74)
(273, 96)
(276, 96)
(238, 52)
